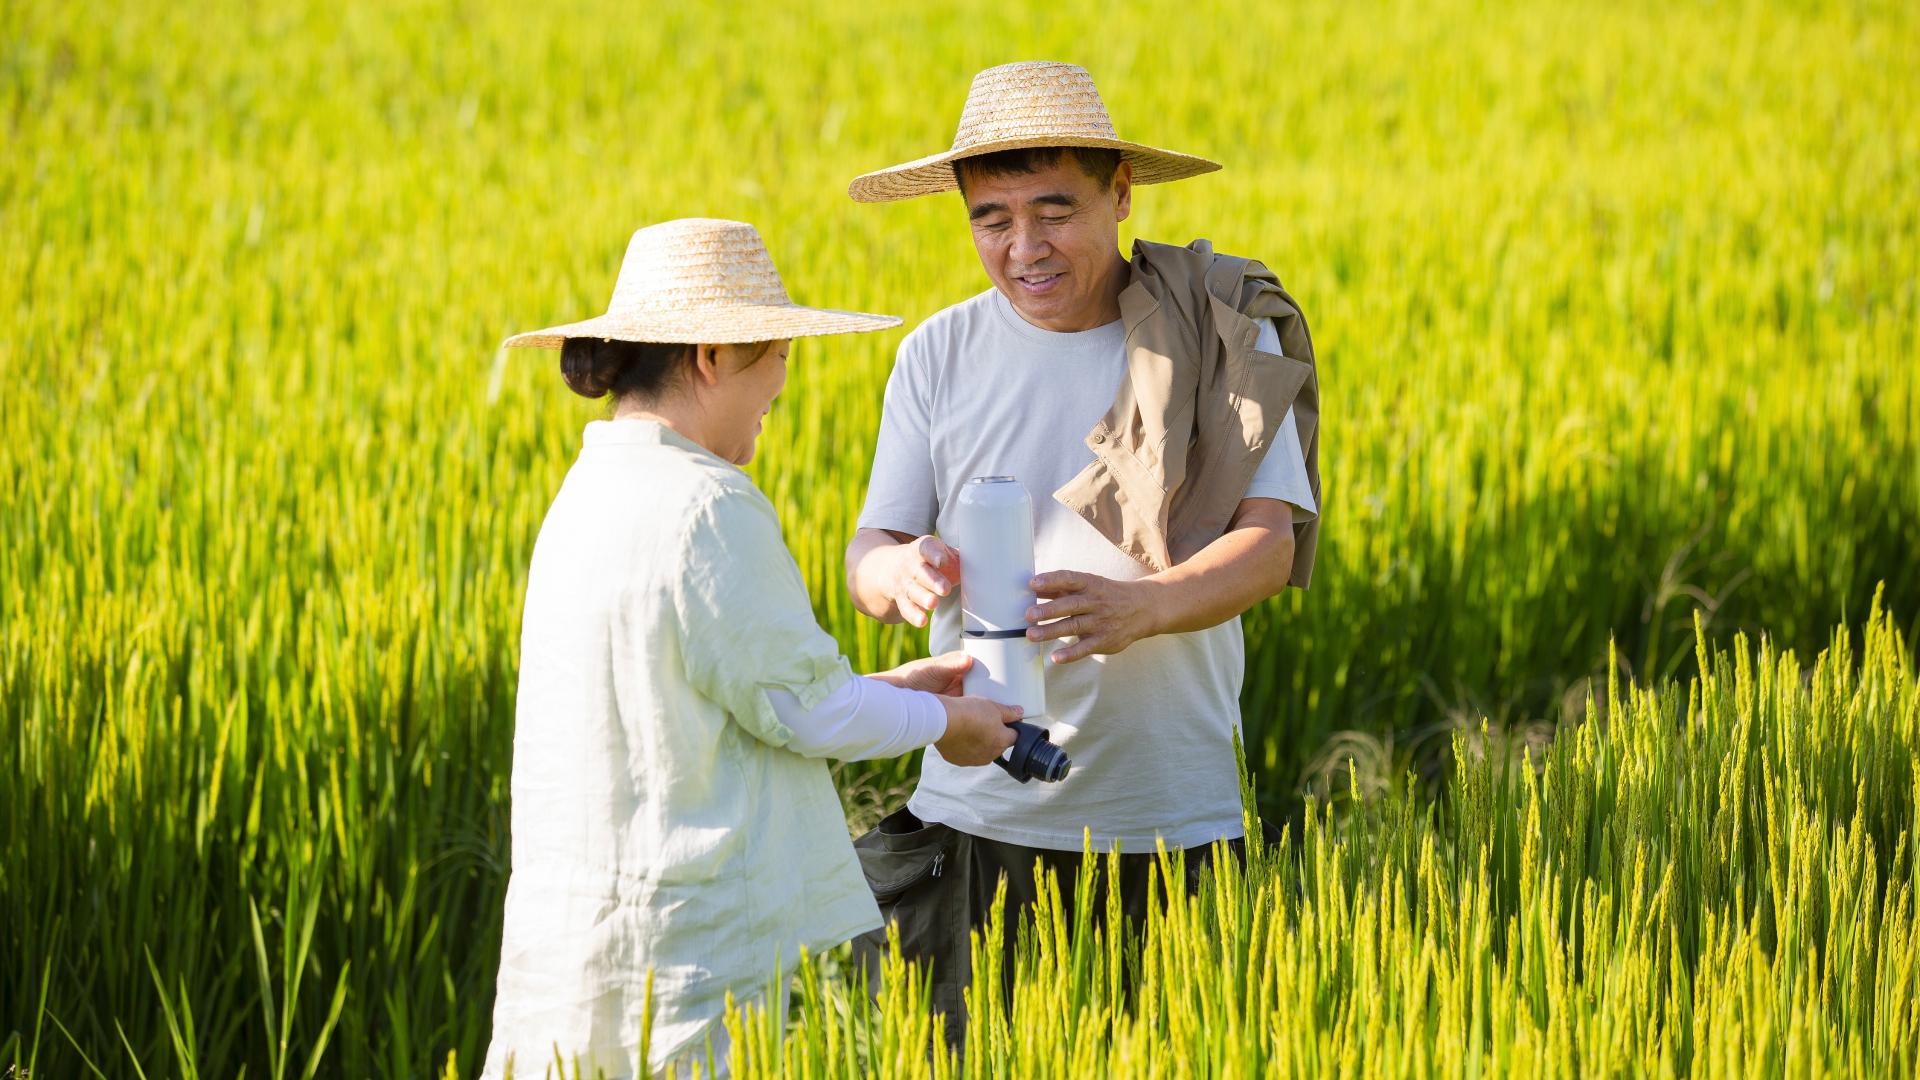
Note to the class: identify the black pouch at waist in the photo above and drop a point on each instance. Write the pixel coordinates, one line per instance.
(918, 874)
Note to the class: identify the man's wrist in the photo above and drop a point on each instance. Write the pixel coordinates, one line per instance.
(870, 579)
(887, 585)
(1154, 599)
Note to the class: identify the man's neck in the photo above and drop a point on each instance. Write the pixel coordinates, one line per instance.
(1117, 275)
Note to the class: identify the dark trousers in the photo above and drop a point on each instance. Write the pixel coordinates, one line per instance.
(936, 883)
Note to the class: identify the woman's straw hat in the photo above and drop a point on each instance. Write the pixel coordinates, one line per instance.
(701, 281)
(1014, 106)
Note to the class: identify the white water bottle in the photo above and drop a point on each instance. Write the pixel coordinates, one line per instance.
(992, 527)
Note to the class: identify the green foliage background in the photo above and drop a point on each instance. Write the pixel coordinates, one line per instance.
(1616, 307)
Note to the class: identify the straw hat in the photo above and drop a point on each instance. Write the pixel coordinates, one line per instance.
(701, 281)
(1014, 106)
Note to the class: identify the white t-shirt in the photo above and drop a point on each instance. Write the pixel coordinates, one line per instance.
(978, 391)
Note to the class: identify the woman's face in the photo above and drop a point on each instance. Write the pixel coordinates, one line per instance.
(740, 396)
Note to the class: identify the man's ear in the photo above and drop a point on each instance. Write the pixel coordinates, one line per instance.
(1123, 191)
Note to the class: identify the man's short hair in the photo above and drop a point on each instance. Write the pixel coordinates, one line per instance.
(1098, 162)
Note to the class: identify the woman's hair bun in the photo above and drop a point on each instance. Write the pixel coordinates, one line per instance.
(594, 368)
(589, 369)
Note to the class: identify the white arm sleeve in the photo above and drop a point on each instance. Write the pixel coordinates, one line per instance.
(864, 719)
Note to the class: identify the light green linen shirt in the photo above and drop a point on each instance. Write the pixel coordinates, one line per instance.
(657, 821)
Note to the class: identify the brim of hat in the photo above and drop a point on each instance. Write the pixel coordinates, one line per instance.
(934, 174)
(734, 325)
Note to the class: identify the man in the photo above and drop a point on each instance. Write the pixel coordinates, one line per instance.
(1161, 413)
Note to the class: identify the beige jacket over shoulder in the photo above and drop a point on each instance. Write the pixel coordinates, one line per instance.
(1198, 408)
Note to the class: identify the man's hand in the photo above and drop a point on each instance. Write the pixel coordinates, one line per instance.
(1251, 562)
(945, 675)
(977, 730)
(1106, 615)
(894, 577)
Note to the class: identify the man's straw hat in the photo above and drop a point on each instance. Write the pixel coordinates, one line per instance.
(701, 281)
(1014, 106)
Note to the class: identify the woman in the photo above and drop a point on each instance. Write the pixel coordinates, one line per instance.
(672, 812)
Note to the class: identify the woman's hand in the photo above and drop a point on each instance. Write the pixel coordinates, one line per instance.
(944, 675)
(977, 730)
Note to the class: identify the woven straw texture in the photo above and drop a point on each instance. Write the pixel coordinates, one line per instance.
(1014, 106)
(701, 280)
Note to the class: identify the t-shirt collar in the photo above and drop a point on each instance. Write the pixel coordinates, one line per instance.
(1092, 338)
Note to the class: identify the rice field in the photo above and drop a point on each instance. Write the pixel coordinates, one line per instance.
(1594, 742)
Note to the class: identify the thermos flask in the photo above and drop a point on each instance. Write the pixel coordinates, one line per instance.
(992, 527)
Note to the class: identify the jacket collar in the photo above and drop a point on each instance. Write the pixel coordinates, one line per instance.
(1137, 304)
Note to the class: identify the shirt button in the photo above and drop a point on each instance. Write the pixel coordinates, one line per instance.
(1098, 438)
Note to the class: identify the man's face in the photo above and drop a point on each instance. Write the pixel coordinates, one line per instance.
(1050, 240)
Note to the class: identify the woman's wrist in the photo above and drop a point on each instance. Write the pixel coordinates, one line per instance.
(928, 717)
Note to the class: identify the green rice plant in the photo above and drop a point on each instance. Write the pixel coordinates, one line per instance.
(1712, 880)
(1616, 306)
